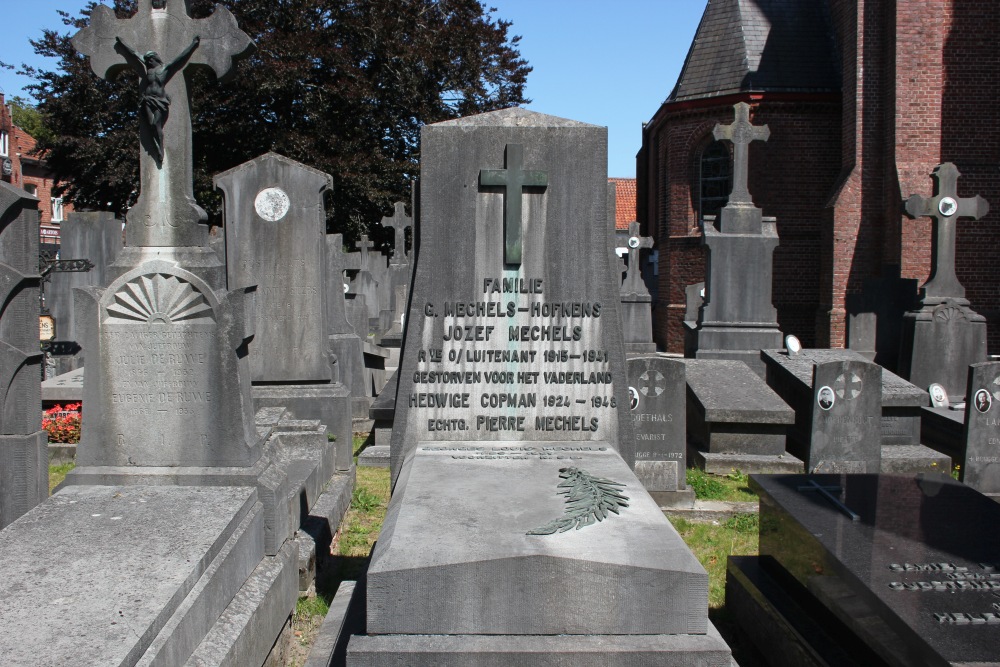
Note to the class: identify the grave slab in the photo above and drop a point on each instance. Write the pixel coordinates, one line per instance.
(152, 551)
(628, 574)
(734, 420)
(902, 404)
(64, 388)
(911, 579)
(657, 393)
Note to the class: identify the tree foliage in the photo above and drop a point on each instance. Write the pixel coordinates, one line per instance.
(29, 119)
(341, 85)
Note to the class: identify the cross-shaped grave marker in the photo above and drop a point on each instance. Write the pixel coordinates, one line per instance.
(364, 245)
(618, 265)
(827, 492)
(741, 133)
(166, 213)
(633, 277)
(398, 222)
(945, 207)
(514, 179)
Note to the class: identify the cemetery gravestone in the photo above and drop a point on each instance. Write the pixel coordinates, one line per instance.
(737, 318)
(171, 540)
(944, 336)
(657, 393)
(845, 430)
(24, 456)
(512, 383)
(97, 238)
(883, 570)
(345, 342)
(981, 432)
(637, 316)
(276, 239)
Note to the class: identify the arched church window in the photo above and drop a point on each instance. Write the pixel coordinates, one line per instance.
(716, 178)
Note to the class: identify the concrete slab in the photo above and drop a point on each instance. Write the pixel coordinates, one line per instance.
(628, 574)
(375, 456)
(99, 571)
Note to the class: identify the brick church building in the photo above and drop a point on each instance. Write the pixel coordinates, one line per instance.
(863, 99)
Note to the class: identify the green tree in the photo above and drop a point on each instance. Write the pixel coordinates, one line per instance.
(343, 86)
(29, 118)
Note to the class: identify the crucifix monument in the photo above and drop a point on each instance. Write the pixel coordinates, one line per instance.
(944, 336)
(513, 179)
(737, 319)
(166, 213)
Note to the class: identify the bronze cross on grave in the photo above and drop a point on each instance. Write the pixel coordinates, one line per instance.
(170, 42)
(633, 276)
(945, 207)
(741, 133)
(514, 179)
(398, 222)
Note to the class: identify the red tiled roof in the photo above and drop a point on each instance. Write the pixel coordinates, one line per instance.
(625, 211)
(25, 144)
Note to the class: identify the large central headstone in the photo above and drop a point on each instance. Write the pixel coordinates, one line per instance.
(516, 519)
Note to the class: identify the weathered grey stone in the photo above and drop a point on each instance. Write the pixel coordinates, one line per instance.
(735, 421)
(542, 651)
(325, 641)
(164, 380)
(637, 315)
(981, 432)
(637, 576)
(657, 393)
(944, 336)
(374, 456)
(244, 634)
(875, 317)
(65, 388)
(113, 574)
(97, 238)
(330, 404)
(165, 214)
(344, 340)
(563, 220)
(902, 402)
(511, 395)
(845, 423)
(275, 239)
(23, 452)
(737, 318)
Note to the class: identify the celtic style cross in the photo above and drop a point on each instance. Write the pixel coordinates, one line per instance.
(398, 222)
(741, 133)
(166, 213)
(633, 276)
(514, 179)
(945, 207)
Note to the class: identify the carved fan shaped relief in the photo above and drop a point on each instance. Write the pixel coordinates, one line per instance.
(950, 313)
(160, 298)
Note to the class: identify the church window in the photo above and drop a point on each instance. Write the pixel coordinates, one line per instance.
(716, 178)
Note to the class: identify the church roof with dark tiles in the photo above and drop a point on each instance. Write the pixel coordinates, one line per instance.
(760, 45)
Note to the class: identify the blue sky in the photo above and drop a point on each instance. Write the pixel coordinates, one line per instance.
(600, 62)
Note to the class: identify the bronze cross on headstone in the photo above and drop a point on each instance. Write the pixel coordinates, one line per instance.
(741, 133)
(633, 277)
(945, 207)
(827, 492)
(514, 179)
(364, 245)
(166, 213)
(398, 223)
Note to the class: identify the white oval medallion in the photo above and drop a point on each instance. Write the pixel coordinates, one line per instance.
(633, 242)
(271, 204)
(947, 206)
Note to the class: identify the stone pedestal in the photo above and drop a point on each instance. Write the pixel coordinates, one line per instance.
(939, 343)
(737, 318)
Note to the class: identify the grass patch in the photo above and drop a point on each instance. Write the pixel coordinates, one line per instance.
(57, 473)
(312, 606)
(731, 487)
(359, 441)
(713, 542)
(360, 527)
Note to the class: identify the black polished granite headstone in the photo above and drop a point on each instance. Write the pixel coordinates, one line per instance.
(981, 433)
(909, 566)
